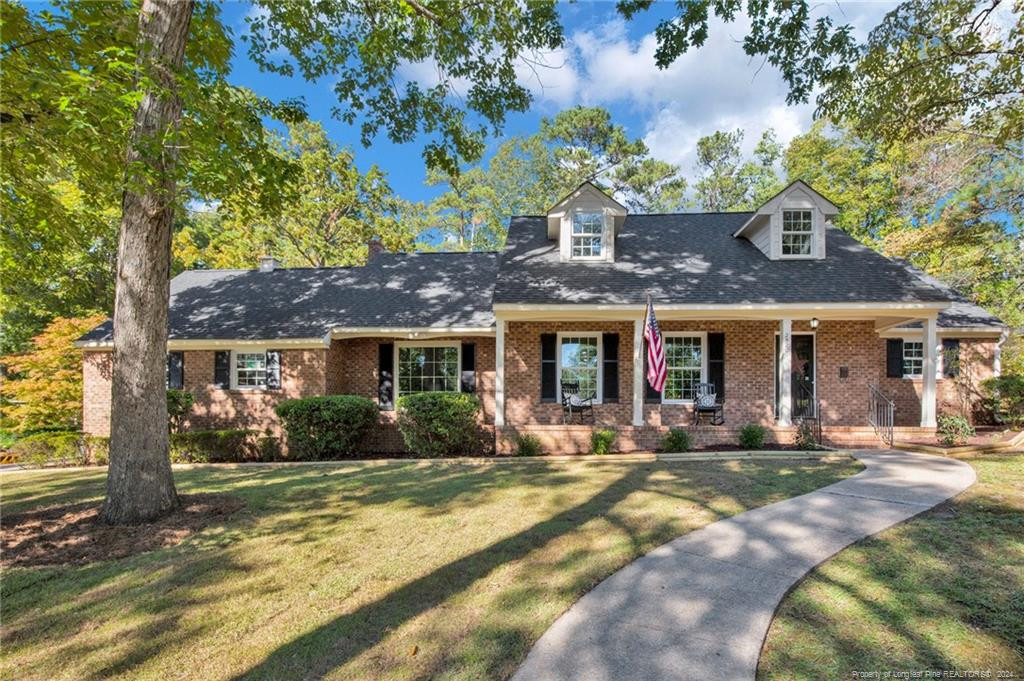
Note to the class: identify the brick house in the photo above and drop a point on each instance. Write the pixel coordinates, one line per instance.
(786, 316)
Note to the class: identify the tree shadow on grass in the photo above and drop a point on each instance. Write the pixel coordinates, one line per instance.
(348, 635)
(944, 591)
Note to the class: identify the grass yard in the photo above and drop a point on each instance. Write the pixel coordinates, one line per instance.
(944, 591)
(397, 571)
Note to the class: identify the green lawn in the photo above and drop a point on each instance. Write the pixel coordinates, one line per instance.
(397, 571)
(943, 591)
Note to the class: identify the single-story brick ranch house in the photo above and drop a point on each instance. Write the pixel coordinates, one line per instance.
(786, 315)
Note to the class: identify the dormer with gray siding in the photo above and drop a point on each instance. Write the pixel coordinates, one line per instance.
(791, 225)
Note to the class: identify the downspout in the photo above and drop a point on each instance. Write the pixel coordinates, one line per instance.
(997, 358)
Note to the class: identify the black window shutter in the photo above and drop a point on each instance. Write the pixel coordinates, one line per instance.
(610, 379)
(548, 367)
(950, 357)
(468, 367)
(175, 370)
(222, 368)
(651, 396)
(716, 363)
(894, 357)
(273, 369)
(386, 375)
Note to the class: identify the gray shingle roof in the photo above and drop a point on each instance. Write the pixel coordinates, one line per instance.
(693, 258)
(393, 290)
(962, 313)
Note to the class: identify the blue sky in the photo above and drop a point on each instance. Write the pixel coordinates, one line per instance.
(605, 62)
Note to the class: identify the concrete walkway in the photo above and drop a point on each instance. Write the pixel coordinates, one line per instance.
(699, 607)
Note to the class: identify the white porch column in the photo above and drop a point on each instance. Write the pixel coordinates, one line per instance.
(499, 373)
(638, 372)
(928, 378)
(785, 372)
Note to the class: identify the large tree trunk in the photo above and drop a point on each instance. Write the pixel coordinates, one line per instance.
(140, 486)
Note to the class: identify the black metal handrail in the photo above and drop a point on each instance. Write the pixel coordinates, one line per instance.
(814, 413)
(881, 412)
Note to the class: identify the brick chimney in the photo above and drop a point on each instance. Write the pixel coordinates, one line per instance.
(374, 247)
(268, 263)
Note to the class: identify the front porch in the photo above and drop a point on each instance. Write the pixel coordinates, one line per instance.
(770, 367)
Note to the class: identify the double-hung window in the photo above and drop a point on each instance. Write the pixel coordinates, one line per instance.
(797, 232)
(579, 361)
(427, 368)
(587, 232)
(913, 359)
(250, 369)
(685, 366)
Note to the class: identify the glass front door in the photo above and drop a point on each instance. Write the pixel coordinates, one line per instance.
(801, 377)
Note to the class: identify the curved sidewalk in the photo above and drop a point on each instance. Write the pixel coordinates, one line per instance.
(699, 606)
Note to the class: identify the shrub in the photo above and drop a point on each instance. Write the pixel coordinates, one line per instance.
(752, 436)
(267, 447)
(1005, 397)
(602, 441)
(327, 427)
(211, 446)
(954, 430)
(805, 436)
(438, 424)
(179, 403)
(50, 449)
(528, 445)
(97, 450)
(676, 440)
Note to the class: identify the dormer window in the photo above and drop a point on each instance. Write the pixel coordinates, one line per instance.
(585, 223)
(797, 232)
(587, 232)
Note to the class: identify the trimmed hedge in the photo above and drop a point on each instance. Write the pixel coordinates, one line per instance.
(437, 424)
(212, 446)
(327, 427)
(55, 448)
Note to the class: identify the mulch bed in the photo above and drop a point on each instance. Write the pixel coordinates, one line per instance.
(73, 535)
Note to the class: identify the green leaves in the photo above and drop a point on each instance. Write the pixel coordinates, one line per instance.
(373, 49)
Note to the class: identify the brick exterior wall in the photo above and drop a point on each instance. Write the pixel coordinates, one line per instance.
(352, 369)
(96, 385)
(350, 366)
(960, 395)
(749, 372)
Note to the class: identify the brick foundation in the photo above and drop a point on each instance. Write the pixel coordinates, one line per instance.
(575, 439)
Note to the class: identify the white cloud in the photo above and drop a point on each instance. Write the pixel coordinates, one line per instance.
(714, 87)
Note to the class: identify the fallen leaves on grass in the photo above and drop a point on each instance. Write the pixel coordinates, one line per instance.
(73, 535)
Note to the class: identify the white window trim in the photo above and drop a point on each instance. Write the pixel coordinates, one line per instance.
(234, 369)
(703, 358)
(604, 234)
(939, 359)
(600, 359)
(427, 344)
(813, 233)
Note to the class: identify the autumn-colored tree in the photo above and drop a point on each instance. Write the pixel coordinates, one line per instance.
(43, 387)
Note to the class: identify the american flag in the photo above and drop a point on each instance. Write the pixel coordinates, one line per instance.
(656, 371)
